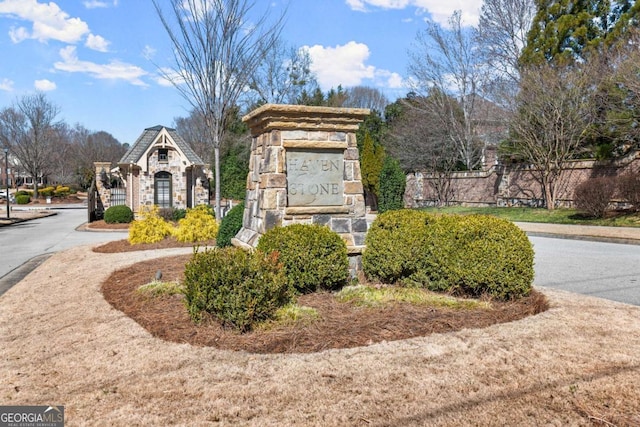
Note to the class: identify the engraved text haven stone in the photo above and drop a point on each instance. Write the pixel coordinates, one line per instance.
(315, 178)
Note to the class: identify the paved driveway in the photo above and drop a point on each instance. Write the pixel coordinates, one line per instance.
(605, 270)
(23, 246)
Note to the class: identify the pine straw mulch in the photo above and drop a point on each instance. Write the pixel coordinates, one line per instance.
(124, 246)
(340, 325)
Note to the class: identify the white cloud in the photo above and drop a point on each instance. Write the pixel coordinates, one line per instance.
(18, 34)
(114, 70)
(439, 10)
(97, 43)
(389, 80)
(95, 4)
(6, 85)
(168, 77)
(148, 52)
(44, 85)
(49, 21)
(340, 65)
(346, 65)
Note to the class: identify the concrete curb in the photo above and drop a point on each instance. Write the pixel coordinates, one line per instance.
(20, 272)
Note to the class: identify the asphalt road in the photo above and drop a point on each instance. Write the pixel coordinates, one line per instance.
(25, 245)
(605, 270)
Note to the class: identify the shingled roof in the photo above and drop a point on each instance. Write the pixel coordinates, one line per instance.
(146, 139)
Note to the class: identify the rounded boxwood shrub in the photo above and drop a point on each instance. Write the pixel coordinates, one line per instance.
(22, 199)
(313, 256)
(480, 254)
(394, 244)
(240, 288)
(230, 225)
(120, 214)
(471, 255)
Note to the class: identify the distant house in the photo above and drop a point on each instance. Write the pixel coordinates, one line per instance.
(161, 169)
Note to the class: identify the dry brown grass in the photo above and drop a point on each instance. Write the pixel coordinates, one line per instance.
(578, 363)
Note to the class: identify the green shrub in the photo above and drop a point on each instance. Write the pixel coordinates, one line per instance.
(24, 193)
(230, 225)
(198, 225)
(314, 257)
(480, 254)
(120, 214)
(469, 255)
(22, 199)
(240, 288)
(150, 229)
(394, 244)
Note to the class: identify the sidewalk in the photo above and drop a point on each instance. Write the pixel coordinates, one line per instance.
(628, 235)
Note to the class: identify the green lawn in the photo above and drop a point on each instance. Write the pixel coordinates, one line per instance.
(557, 216)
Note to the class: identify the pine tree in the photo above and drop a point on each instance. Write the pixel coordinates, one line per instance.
(564, 31)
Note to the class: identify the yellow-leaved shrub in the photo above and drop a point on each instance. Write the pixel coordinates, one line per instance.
(198, 225)
(151, 228)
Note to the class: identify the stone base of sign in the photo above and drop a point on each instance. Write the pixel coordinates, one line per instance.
(304, 168)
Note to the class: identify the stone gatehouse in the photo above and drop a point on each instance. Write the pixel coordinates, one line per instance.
(161, 169)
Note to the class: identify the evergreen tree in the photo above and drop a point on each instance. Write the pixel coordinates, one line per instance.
(392, 186)
(372, 125)
(371, 161)
(234, 169)
(564, 31)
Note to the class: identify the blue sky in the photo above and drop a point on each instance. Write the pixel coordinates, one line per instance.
(97, 59)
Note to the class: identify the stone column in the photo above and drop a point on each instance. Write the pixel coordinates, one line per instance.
(304, 168)
(104, 194)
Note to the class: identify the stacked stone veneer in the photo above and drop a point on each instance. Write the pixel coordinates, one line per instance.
(104, 194)
(300, 138)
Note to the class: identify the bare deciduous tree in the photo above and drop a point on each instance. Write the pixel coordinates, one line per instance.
(89, 147)
(555, 111)
(447, 72)
(366, 97)
(420, 143)
(283, 76)
(502, 33)
(216, 51)
(194, 131)
(30, 131)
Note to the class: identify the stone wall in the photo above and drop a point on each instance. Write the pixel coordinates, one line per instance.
(514, 185)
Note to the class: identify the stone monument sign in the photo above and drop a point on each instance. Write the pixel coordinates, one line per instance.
(315, 178)
(304, 168)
